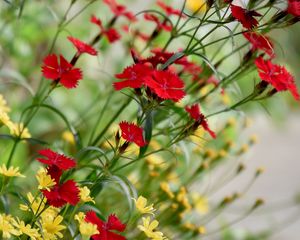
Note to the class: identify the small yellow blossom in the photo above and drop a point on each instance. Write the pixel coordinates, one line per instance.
(85, 228)
(149, 227)
(85, 195)
(183, 198)
(253, 139)
(141, 205)
(155, 160)
(18, 130)
(51, 227)
(4, 119)
(68, 137)
(10, 172)
(155, 145)
(50, 214)
(35, 204)
(166, 188)
(26, 229)
(200, 203)
(201, 230)
(173, 178)
(6, 227)
(189, 226)
(45, 180)
(196, 5)
(223, 153)
(3, 105)
(226, 99)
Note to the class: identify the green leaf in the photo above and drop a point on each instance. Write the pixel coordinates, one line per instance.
(148, 133)
(172, 59)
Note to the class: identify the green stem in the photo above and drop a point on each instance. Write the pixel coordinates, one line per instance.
(15, 144)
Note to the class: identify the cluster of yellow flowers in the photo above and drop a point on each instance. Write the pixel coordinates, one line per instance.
(16, 129)
(149, 226)
(48, 225)
(10, 172)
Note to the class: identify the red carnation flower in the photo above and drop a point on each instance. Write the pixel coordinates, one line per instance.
(62, 194)
(193, 69)
(168, 9)
(194, 112)
(106, 228)
(56, 159)
(55, 173)
(260, 42)
(165, 25)
(119, 10)
(111, 33)
(132, 133)
(294, 7)
(82, 47)
(134, 76)
(64, 72)
(277, 76)
(244, 16)
(161, 57)
(166, 85)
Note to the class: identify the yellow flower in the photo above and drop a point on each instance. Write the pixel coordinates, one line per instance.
(200, 203)
(201, 230)
(35, 204)
(45, 180)
(6, 227)
(85, 228)
(155, 161)
(3, 105)
(10, 172)
(141, 205)
(26, 229)
(50, 214)
(68, 137)
(183, 199)
(85, 195)
(51, 228)
(149, 227)
(196, 5)
(4, 118)
(18, 130)
(166, 188)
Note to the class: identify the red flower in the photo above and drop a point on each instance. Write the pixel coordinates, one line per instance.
(166, 85)
(105, 228)
(165, 25)
(168, 9)
(194, 112)
(62, 194)
(161, 57)
(134, 76)
(64, 72)
(111, 33)
(277, 76)
(294, 7)
(82, 47)
(192, 69)
(56, 159)
(132, 133)
(55, 173)
(260, 42)
(244, 16)
(119, 10)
